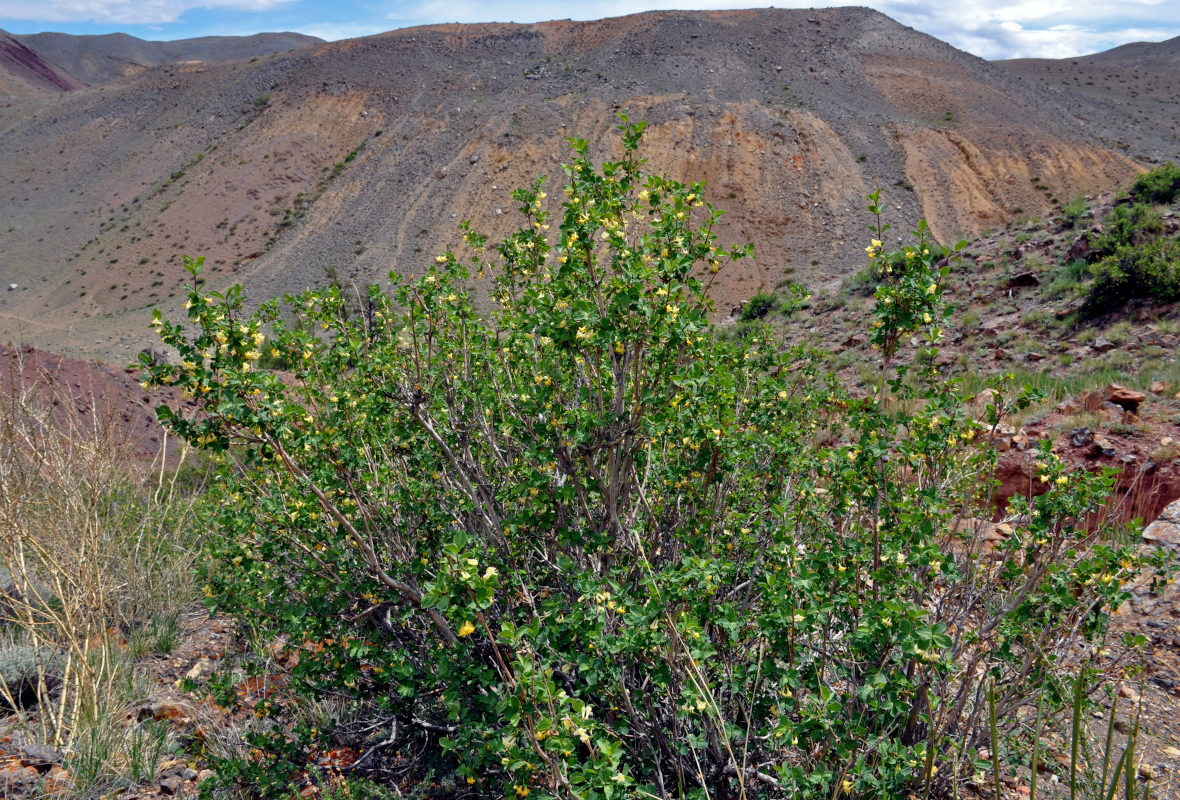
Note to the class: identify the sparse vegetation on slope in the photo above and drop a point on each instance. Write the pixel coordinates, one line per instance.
(806, 111)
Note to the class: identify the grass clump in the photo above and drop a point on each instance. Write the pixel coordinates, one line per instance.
(94, 548)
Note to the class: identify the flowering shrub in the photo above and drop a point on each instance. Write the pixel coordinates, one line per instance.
(582, 547)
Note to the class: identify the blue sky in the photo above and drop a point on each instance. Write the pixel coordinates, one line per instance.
(998, 29)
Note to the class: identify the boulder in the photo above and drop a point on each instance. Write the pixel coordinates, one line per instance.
(1101, 446)
(1080, 437)
(39, 755)
(1022, 279)
(1115, 394)
(1127, 398)
(1165, 531)
(1080, 249)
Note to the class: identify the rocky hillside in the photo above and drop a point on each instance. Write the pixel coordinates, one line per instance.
(353, 158)
(1110, 378)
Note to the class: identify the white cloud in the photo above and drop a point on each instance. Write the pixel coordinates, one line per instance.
(1040, 29)
(121, 12)
(333, 31)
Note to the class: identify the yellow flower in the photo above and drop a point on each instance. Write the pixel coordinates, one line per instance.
(466, 629)
(523, 791)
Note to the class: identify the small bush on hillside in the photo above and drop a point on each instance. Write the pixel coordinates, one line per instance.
(1135, 259)
(1148, 270)
(864, 282)
(1130, 226)
(1073, 212)
(758, 306)
(1161, 185)
(581, 547)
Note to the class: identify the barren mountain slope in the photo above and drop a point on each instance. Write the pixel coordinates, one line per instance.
(361, 156)
(97, 59)
(1128, 97)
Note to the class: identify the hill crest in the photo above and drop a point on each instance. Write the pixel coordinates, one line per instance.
(89, 60)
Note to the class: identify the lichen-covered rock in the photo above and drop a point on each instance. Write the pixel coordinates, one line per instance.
(26, 671)
(1165, 531)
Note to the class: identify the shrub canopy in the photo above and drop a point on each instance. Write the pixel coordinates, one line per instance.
(580, 546)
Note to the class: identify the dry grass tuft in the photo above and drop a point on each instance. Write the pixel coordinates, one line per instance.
(94, 557)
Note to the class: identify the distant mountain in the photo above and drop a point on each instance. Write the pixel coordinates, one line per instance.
(1128, 97)
(352, 158)
(90, 60)
(23, 71)
(1148, 53)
